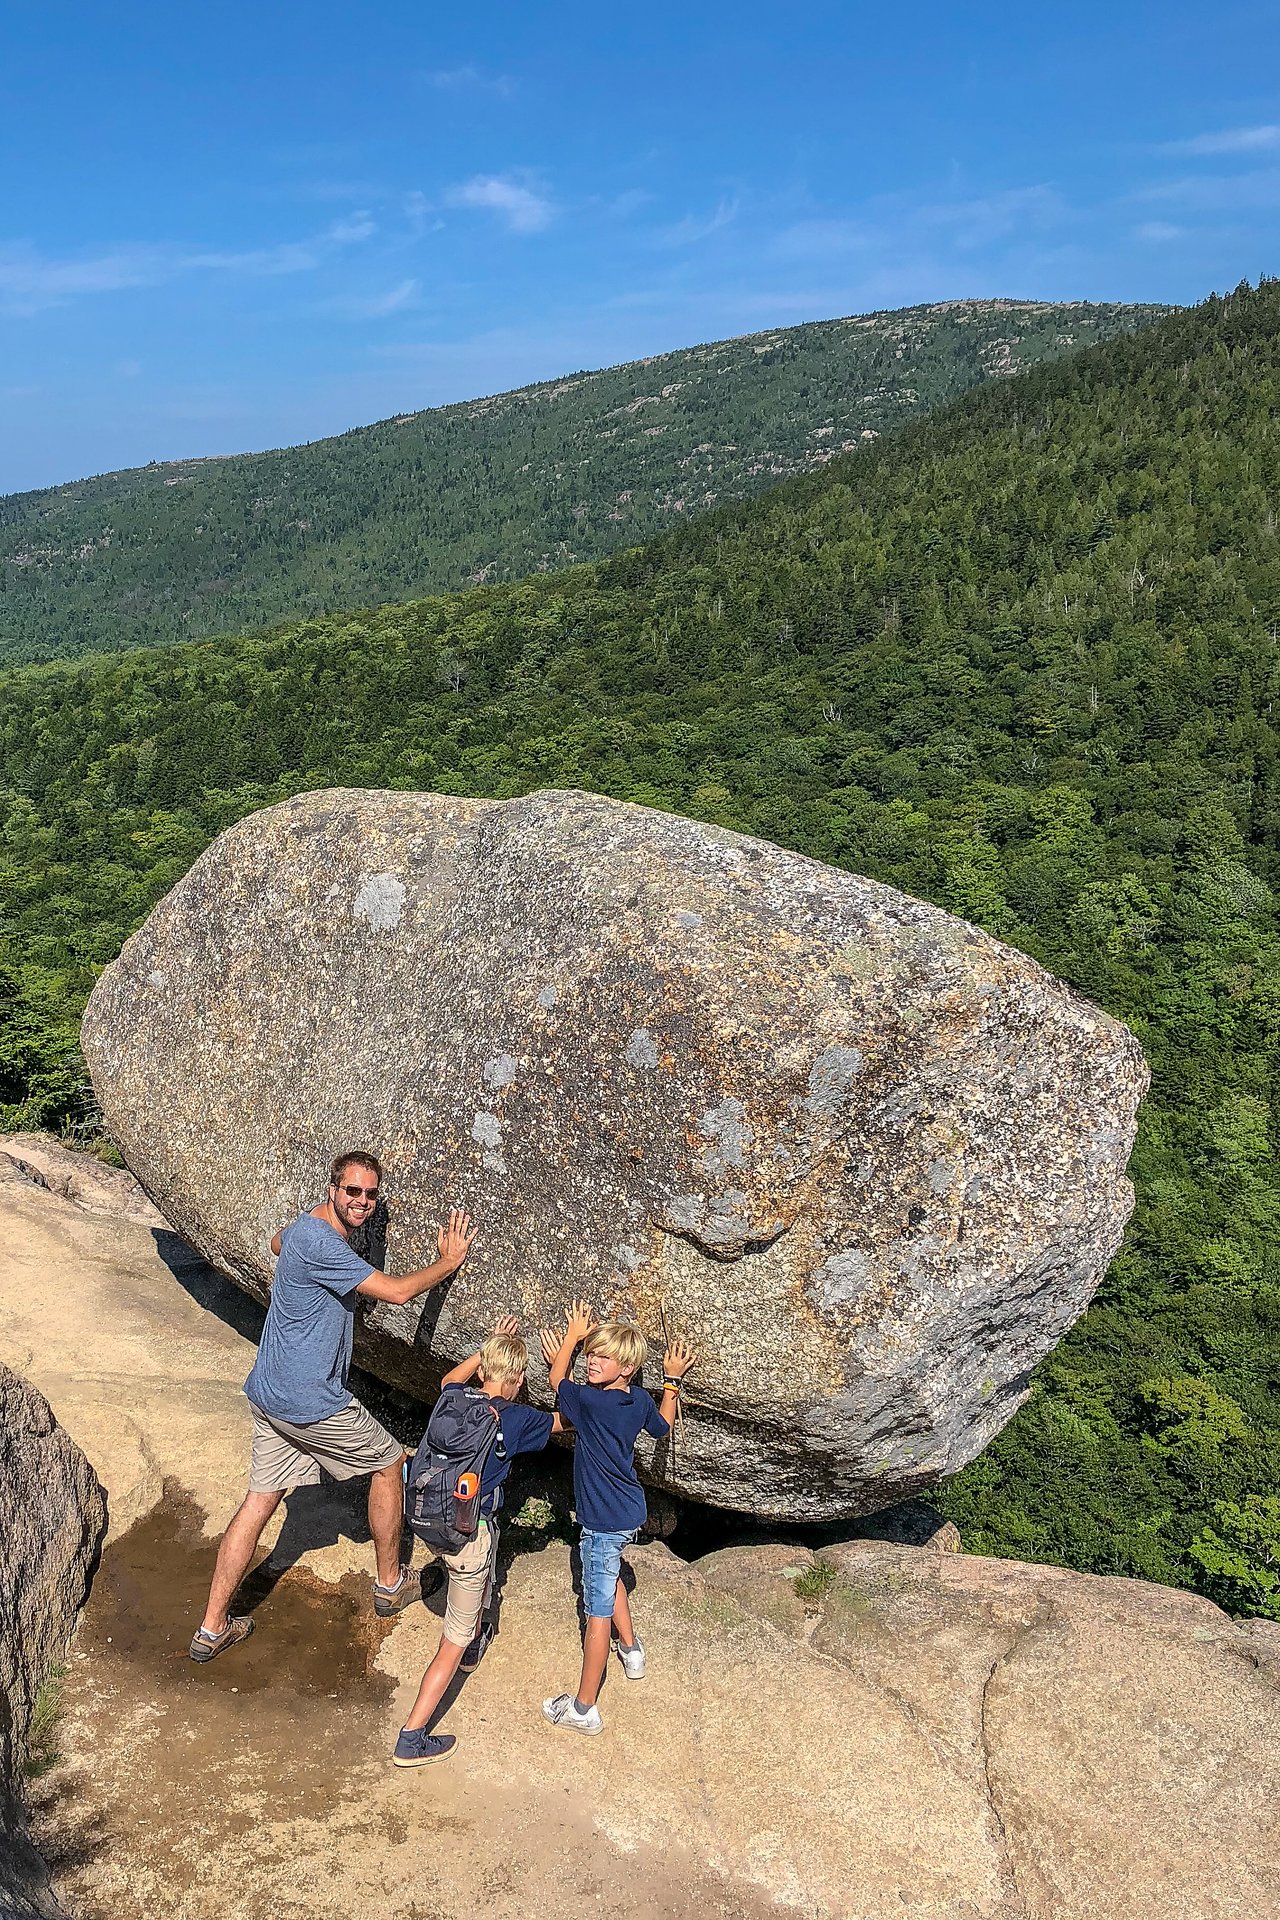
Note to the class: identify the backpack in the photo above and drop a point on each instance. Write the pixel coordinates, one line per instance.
(442, 1495)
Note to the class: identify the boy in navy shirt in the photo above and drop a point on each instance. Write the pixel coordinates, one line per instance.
(499, 1369)
(608, 1415)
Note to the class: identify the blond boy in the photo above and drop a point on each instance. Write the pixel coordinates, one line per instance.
(499, 1370)
(608, 1415)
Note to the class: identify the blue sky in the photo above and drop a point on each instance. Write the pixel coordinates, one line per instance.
(241, 226)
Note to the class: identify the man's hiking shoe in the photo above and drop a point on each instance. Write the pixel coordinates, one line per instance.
(207, 1646)
(418, 1748)
(561, 1712)
(632, 1659)
(475, 1653)
(389, 1601)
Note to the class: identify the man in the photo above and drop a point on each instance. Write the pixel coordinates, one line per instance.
(304, 1417)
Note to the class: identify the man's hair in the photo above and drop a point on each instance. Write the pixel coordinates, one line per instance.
(356, 1158)
(620, 1341)
(503, 1357)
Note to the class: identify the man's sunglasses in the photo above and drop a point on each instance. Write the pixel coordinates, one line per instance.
(360, 1193)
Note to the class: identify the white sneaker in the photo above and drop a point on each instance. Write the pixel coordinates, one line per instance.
(632, 1659)
(561, 1712)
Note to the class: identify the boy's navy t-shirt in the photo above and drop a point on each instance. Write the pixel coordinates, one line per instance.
(524, 1430)
(608, 1421)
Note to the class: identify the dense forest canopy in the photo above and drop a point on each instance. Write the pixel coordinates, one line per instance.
(1022, 659)
(491, 489)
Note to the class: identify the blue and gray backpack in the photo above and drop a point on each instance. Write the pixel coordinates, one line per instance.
(442, 1491)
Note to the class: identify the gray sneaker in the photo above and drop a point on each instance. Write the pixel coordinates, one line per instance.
(389, 1601)
(561, 1712)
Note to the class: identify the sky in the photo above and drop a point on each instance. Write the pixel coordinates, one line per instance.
(241, 226)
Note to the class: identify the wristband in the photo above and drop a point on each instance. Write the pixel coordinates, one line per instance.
(671, 1386)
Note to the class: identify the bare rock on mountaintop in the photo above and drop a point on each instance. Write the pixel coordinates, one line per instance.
(868, 1158)
(904, 1732)
(52, 1519)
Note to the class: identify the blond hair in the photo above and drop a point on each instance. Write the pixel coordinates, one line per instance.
(619, 1341)
(503, 1357)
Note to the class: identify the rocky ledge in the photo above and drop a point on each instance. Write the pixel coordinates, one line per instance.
(52, 1521)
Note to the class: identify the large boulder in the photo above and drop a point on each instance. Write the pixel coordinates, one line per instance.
(868, 1158)
(52, 1519)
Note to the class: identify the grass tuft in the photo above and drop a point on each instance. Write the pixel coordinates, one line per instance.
(817, 1580)
(43, 1747)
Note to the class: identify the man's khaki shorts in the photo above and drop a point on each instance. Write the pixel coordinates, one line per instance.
(345, 1444)
(470, 1578)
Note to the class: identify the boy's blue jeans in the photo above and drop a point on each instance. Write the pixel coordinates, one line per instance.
(601, 1564)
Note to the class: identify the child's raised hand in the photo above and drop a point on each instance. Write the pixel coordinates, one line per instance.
(581, 1320)
(551, 1342)
(507, 1324)
(678, 1359)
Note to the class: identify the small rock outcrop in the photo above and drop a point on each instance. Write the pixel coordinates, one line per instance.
(868, 1158)
(52, 1520)
(1052, 1745)
(79, 1177)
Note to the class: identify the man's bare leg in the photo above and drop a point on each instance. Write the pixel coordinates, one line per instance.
(386, 1521)
(234, 1554)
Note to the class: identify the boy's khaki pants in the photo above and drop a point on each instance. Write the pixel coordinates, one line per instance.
(471, 1572)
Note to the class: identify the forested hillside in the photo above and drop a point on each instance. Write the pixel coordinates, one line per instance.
(493, 489)
(1022, 659)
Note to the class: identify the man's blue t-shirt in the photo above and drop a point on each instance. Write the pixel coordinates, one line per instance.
(304, 1354)
(608, 1421)
(524, 1430)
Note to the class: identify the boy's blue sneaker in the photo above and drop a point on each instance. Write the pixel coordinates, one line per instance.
(475, 1653)
(418, 1748)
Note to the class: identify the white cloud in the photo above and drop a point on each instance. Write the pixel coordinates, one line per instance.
(820, 239)
(994, 216)
(523, 209)
(458, 79)
(357, 226)
(696, 227)
(900, 224)
(377, 306)
(1158, 231)
(293, 256)
(623, 205)
(1220, 193)
(1230, 140)
(31, 281)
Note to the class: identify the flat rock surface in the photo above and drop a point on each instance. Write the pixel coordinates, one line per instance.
(869, 1159)
(886, 1730)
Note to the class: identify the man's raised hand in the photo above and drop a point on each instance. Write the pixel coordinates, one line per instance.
(678, 1359)
(453, 1242)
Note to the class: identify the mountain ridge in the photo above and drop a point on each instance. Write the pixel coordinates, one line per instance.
(492, 488)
